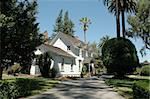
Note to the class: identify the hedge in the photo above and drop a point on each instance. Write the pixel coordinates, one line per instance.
(141, 89)
(15, 88)
(145, 71)
(119, 55)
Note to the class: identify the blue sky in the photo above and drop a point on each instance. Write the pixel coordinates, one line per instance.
(103, 22)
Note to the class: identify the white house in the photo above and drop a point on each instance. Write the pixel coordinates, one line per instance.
(68, 53)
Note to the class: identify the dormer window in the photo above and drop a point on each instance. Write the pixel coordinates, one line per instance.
(68, 47)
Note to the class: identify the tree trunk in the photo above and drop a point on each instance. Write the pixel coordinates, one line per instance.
(117, 19)
(123, 23)
(84, 36)
(1, 72)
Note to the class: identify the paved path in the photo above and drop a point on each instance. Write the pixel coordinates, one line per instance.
(80, 89)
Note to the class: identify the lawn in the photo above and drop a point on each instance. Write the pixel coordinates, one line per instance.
(124, 86)
(139, 77)
(44, 84)
(12, 86)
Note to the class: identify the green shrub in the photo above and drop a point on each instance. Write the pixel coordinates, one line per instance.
(145, 71)
(44, 63)
(119, 56)
(14, 69)
(19, 87)
(53, 72)
(137, 71)
(84, 70)
(141, 89)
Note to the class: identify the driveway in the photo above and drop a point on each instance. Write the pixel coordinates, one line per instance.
(80, 89)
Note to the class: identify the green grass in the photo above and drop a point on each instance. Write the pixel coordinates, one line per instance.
(44, 84)
(5, 76)
(145, 70)
(139, 77)
(144, 84)
(124, 86)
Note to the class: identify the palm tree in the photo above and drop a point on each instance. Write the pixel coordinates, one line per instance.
(85, 21)
(113, 7)
(120, 6)
(126, 6)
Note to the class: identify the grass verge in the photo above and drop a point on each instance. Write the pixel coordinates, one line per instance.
(44, 85)
(124, 86)
(16, 87)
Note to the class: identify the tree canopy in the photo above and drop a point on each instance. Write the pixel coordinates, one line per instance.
(119, 55)
(101, 43)
(85, 22)
(140, 23)
(59, 23)
(19, 32)
(64, 24)
(119, 7)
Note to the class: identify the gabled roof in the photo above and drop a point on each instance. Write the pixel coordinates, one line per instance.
(71, 39)
(49, 48)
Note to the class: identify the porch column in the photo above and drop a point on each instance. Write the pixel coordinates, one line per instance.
(93, 68)
(34, 70)
(89, 71)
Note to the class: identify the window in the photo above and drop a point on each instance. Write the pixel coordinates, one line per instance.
(62, 65)
(72, 66)
(68, 47)
(36, 62)
(79, 65)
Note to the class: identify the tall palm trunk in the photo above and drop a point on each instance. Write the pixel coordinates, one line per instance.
(84, 36)
(123, 23)
(117, 18)
(118, 24)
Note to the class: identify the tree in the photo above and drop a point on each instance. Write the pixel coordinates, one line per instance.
(96, 57)
(72, 25)
(19, 32)
(44, 63)
(93, 46)
(68, 25)
(26, 38)
(119, 55)
(140, 23)
(114, 4)
(85, 22)
(6, 28)
(126, 6)
(59, 23)
(63, 24)
(120, 6)
(102, 41)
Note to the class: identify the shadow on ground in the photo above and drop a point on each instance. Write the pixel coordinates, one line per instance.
(79, 89)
